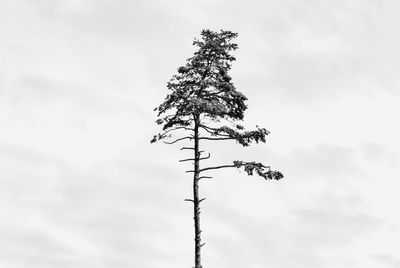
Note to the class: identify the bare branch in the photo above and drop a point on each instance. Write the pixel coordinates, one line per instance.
(172, 129)
(217, 167)
(187, 148)
(205, 177)
(215, 139)
(202, 158)
(193, 159)
(202, 244)
(201, 200)
(189, 171)
(189, 200)
(188, 159)
(184, 138)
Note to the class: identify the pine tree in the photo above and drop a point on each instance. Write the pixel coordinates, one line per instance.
(204, 104)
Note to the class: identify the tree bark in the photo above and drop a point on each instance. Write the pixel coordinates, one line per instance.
(196, 200)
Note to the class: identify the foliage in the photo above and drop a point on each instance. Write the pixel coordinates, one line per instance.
(203, 85)
(260, 169)
(203, 89)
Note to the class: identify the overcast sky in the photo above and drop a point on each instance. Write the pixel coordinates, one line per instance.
(81, 186)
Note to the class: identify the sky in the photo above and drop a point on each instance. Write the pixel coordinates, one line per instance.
(81, 186)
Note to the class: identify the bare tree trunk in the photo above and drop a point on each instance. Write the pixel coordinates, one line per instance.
(196, 201)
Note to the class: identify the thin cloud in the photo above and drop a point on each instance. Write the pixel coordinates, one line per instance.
(387, 259)
(308, 235)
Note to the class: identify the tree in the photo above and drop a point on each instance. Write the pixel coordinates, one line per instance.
(204, 104)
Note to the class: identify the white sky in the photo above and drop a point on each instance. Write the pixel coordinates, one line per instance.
(81, 186)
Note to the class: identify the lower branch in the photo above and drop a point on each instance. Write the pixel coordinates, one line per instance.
(250, 168)
(215, 139)
(205, 177)
(260, 169)
(172, 142)
(187, 148)
(192, 159)
(188, 159)
(217, 167)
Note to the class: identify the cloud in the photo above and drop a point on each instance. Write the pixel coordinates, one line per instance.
(388, 260)
(309, 236)
(96, 216)
(308, 53)
(337, 163)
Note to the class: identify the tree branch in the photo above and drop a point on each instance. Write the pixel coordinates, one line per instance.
(215, 139)
(187, 148)
(207, 128)
(184, 138)
(242, 137)
(251, 168)
(188, 159)
(177, 119)
(205, 177)
(192, 159)
(172, 129)
(202, 158)
(217, 167)
(259, 169)
(213, 131)
(189, 200)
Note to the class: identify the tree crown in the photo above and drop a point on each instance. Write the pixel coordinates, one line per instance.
(203, 85)
(202, 90)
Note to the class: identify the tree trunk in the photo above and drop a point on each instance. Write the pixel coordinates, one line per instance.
(196, 200)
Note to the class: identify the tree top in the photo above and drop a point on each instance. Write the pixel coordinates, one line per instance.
(202, 86)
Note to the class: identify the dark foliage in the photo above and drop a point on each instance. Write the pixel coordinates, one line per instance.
(260, 169)
(203, 88)
(203, 85)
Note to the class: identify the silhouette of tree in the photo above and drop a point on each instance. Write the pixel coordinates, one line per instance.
(204, 104)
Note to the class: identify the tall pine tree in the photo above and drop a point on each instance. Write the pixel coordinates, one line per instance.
(204, 104)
